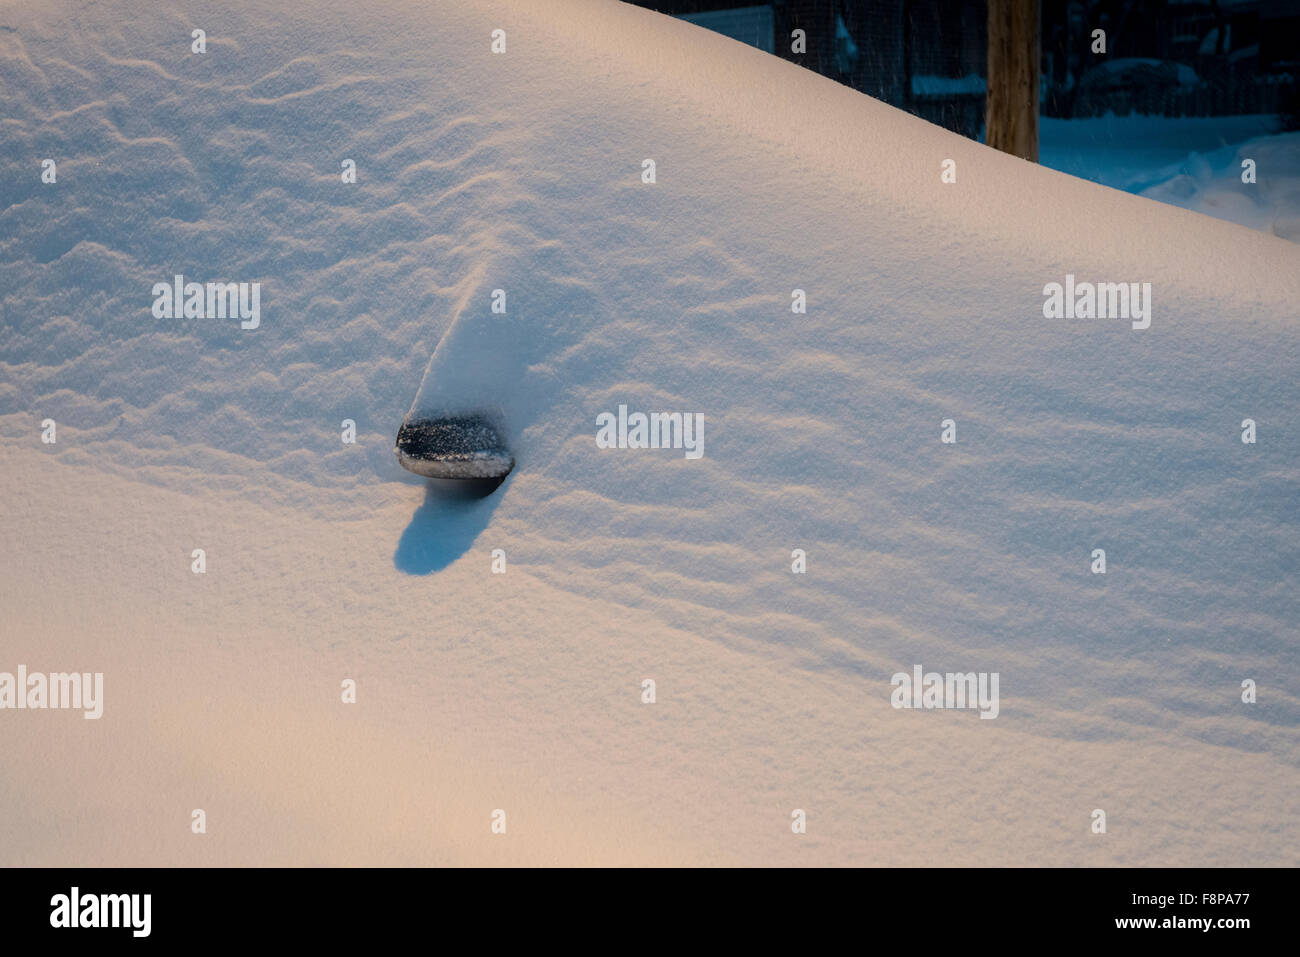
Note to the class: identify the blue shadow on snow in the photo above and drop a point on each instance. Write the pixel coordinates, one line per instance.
(445, 525)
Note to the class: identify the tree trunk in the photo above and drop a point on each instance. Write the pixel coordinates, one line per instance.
(1011, 108)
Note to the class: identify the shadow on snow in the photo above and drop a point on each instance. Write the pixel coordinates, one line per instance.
(446, 524)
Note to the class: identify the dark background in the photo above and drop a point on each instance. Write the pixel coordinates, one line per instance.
(1163, 58)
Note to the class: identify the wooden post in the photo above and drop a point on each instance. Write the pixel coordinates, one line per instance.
(1011, 106)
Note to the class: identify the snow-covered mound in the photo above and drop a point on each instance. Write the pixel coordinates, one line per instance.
(522, 171)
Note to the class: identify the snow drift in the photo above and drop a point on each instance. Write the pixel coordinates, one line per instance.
(522, 172)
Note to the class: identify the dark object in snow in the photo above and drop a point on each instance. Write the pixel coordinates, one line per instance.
(453, 447)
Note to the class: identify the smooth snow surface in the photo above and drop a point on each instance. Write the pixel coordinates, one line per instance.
(522, 691)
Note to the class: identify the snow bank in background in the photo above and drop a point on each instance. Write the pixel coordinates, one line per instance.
(1211, 183)
(948, 85)
(1116, 70)
(1192, 162)
(523, 172)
